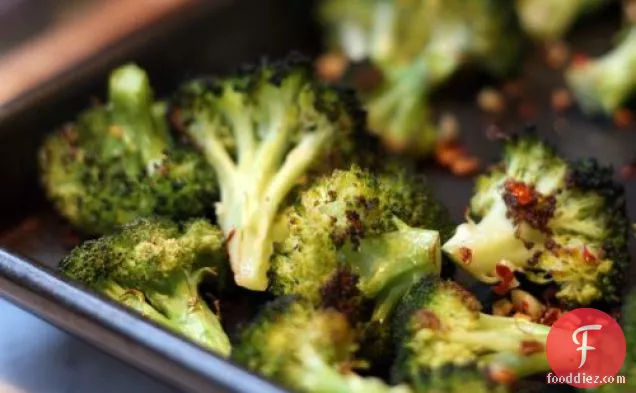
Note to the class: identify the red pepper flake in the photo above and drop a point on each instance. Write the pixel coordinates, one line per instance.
(522, 192)
(628, 171)
(502, 376)
(588, 256)
(580, 59)
(465, 166)
(623, 118)
(466, 255)
(550, 316)
(561, 99)
(331, 66)
(447, 152)
(507, 279)
(527, 110)
(504, 271)
(529, 347)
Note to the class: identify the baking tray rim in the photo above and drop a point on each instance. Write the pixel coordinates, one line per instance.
(94, 315)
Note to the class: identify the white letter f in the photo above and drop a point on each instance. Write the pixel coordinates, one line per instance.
(584, 347)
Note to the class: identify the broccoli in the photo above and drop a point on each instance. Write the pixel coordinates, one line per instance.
(305, 349)
(549, 20)
(286, 125)
(445, 343)
(417, 45)
(400, 112)
(603, 85)
(374, 225)
(117, 161)
(560, 223)
(154, 266)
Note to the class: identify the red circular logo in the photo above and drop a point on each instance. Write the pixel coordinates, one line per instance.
(585, 348)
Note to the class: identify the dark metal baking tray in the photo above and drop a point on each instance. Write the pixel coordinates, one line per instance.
(35, 239)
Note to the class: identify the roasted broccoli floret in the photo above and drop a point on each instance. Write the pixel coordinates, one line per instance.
(306, 349)
(154, 266)
(603, 85)
(286, 124)
(383, 227)
(417, 45)
(560, 223)
(117, 161)
(446, 344)
(549, 20)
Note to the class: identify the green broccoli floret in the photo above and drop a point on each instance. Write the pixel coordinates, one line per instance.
(445, 343)
(154, 266)
(549, 20)
(418, 45)
(557, 222)
(117, 161)
(305, 349)
(372, 225)
(286, 124)
(603, 85)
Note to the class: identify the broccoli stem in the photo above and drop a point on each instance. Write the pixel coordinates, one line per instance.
(501, 334)
(249, 215)
(518, 365)
(353, 38)
(135, 300)
(398, 111)
(494, 322)
(391, 263)
(318, 377)
(133, 115)
(216, 154)
(185, 308)
(604, 84)
(478, 248)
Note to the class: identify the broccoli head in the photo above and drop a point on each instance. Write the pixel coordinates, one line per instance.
(557, 222)
(154, 266)
(418, 45)
(305, 348)
(549, 20)
(603, 85)
(286, 125)
(446, 344)
(370, 224)
(117, 161)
